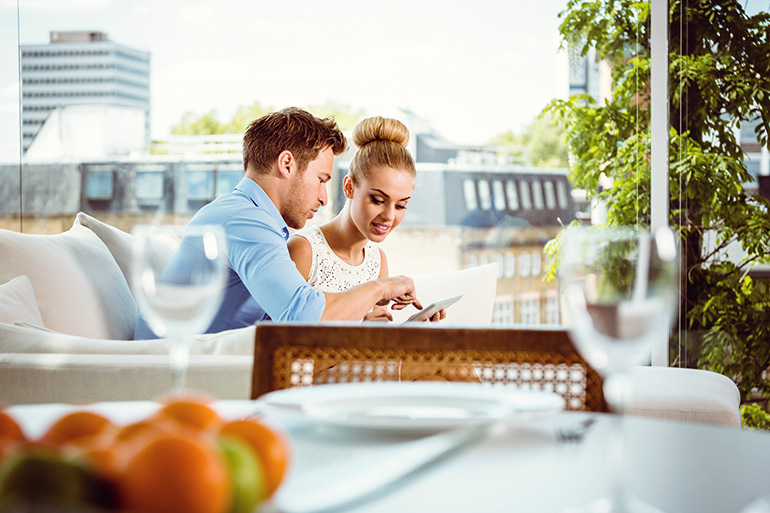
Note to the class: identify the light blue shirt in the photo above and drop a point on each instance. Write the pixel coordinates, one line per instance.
(263, 281)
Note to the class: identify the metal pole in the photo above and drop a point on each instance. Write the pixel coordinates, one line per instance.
(659, 197)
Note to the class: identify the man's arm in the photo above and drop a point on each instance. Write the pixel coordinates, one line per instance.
(355, 303)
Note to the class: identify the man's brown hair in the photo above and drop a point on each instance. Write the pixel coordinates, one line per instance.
(292, 129)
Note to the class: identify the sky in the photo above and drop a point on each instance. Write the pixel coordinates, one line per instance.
(471, 69)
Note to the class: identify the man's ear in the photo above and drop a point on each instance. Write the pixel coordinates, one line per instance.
(347, 187)
(286, 163)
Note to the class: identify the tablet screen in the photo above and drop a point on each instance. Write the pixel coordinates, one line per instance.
(430, 310)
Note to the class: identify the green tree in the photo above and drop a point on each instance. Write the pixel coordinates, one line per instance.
(542, 144)
(719, 68)
(243, 116)
(346, 116)
(207, 124)
(546, 143)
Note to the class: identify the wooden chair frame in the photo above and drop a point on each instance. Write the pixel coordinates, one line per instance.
(289, 354)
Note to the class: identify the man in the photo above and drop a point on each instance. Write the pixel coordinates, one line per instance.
(288, 158)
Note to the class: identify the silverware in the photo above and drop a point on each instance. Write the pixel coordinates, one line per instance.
(576, 433)
(358, 478)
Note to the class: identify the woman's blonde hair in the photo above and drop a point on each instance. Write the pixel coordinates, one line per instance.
(381, 143)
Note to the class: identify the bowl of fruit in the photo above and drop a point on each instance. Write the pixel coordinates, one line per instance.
(184, 456)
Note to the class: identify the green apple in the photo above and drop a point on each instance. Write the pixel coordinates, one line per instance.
(47, 476)
(246, 474)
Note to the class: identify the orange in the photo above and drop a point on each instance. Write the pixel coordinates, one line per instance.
(144, 427)
(9, 428)
(103, 452)
(193, 412)
(174, 473)
(269, 444)
(74, 425)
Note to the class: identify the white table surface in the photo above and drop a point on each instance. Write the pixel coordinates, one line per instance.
(516, 466)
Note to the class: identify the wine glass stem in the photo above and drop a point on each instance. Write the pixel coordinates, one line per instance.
(617, 392)
(179, 352)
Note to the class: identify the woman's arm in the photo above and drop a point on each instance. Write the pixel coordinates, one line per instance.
(301, 253)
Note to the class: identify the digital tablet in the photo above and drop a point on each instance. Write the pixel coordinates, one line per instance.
(428, 312)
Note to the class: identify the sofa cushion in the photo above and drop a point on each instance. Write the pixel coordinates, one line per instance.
(80, 289)
(18, 303)
(688, 395)
(117, 241)
(30, 339)
(86, 378)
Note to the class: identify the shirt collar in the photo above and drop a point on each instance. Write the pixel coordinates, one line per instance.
(258, 196)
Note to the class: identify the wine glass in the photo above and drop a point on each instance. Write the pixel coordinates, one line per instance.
(619, 290)
(179, 275)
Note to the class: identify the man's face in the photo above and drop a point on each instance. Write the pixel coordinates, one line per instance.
(307, 191)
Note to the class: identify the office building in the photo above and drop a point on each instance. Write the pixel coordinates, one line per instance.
(81, 68)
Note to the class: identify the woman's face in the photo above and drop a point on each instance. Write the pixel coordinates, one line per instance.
(378, 203)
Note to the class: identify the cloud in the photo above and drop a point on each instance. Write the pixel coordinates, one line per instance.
(10, 93)
(63, 6)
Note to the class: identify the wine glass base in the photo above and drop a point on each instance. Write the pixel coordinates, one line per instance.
(626, 504)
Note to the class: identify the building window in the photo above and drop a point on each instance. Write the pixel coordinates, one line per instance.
(485, 195)
(561, 194)
(227, 180)
(510, 265)
(552, 310)
(537, 194)
(503, 313)
(499, 195)
(100, 185)
(524, 265)
(469, 190)
(530, 311)
(550, 195)
(498, 258)
(472, 262)
(526, 199)
(534, 264)
(513, 197)
(149, 185)
(483, 260)
(200, 185)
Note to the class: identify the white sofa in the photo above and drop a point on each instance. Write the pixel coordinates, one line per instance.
(67, 319)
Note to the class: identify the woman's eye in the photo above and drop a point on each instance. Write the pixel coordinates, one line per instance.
(401, 207)
(377, 201)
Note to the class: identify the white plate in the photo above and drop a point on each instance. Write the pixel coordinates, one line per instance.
(412, 406)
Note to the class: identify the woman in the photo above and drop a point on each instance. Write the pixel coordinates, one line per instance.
(341, 253)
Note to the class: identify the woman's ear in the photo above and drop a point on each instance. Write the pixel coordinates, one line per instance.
(347, 187)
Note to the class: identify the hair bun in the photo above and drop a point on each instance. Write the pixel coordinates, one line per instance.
(378, 128)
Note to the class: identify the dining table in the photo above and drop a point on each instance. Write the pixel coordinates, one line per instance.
(554, 462)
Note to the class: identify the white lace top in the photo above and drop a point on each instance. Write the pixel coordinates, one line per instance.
(328, 273)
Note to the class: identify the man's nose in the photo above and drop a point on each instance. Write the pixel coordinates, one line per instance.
(323, 198)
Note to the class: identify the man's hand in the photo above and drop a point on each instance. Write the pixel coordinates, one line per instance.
(400, 290)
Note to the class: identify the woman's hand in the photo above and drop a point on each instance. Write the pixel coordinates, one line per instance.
(438, 316)
(378, 315)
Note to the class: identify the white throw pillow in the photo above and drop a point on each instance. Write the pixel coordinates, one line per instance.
(477, 285)
(31, 339)
(117, 241)
(18, 303)
(80, 289)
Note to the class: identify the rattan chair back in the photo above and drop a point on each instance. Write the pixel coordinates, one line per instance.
(291, 355)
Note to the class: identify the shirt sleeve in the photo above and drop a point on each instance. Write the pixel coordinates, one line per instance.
(257, 252)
